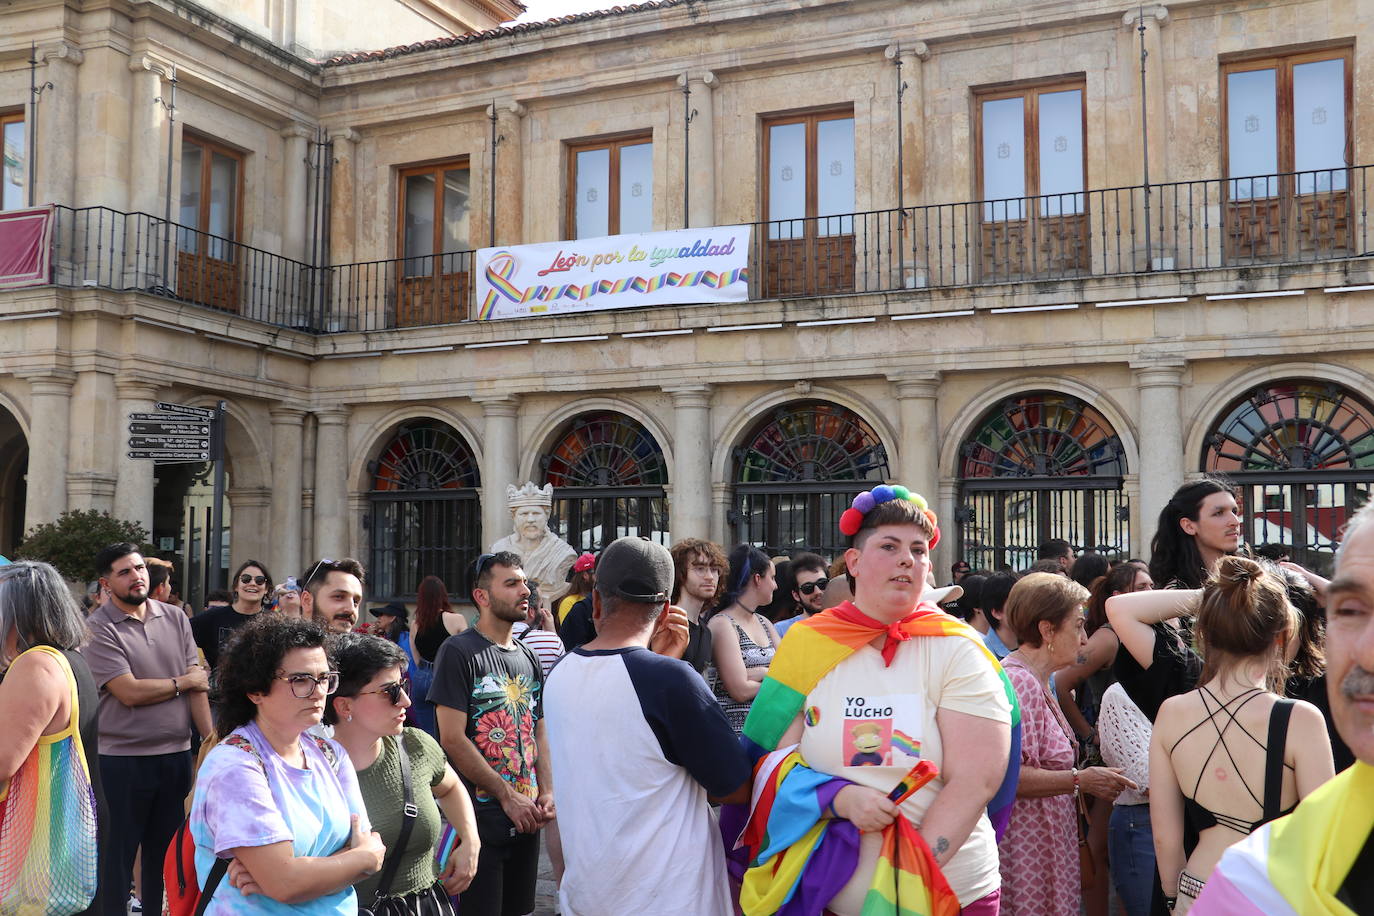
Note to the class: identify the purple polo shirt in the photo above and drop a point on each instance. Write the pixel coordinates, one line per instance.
(158, 647)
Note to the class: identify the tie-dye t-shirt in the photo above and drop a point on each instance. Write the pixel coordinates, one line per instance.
(244, 798)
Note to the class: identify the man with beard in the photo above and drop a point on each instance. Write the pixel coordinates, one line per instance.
(809, 579)
(1319, 860)
(699, 569)
(488, 701)
(151, 691)
(332, 594)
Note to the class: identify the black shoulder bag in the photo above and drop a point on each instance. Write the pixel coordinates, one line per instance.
(433, 900)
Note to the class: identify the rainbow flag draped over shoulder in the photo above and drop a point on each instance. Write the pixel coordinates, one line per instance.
(816, 645)
(1297, 864)
(798, 857)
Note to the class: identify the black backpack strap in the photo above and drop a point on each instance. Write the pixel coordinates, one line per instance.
(393, 858)
(1273, 758)
(216, 876)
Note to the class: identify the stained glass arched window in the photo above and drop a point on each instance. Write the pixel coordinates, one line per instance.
(424, 516)
(608, 474)
(1037, 466)
(1302, 453)
(796, 470)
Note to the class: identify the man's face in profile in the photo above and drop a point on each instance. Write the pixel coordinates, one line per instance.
(1350, 643)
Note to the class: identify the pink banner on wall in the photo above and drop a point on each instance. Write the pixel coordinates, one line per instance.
(25, 247)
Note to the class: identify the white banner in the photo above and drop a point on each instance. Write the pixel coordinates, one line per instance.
(683, 266)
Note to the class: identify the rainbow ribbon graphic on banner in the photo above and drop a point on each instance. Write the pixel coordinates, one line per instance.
(502, 267)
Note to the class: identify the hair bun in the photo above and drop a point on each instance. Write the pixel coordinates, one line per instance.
(1238, 571)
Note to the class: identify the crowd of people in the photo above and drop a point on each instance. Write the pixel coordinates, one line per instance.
(694, 732)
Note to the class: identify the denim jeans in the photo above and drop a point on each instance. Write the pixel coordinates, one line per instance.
(1131, 851)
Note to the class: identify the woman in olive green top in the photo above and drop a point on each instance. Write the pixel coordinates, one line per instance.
(368, 715)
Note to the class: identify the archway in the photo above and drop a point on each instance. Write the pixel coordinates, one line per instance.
(424, 515)
(795, 472)
(1302, 452)
(608, 473)
(14, 465)
(1040, 465)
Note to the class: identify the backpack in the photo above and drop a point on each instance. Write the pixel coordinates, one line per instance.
(184, 894)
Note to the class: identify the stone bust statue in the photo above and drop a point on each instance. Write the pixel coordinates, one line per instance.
(547, 557)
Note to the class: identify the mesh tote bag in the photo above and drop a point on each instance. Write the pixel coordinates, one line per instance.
(47, 824)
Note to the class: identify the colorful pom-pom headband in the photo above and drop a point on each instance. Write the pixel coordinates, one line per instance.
(853, 518)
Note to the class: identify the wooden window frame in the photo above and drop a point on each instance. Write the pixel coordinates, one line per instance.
(208, 147)
(437, 169)
(614, 145)
(1030, 93)
(1282, 64)
(811, 119)
(16, 116)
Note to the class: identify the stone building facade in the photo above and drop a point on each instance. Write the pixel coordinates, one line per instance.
(961, 278)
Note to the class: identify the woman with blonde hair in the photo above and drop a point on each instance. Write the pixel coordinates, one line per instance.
(1231, 754)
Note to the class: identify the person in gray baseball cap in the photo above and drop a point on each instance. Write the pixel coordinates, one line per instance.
(639, 746)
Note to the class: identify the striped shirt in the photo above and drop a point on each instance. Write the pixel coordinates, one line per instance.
(545, 644)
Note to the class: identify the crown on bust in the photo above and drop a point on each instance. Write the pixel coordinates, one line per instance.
(529, 495)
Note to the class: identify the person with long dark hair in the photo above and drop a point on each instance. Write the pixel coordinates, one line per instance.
(743, 640)
(435, 619)
(1199, 525)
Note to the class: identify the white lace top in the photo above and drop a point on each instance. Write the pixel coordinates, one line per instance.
(1123, 733)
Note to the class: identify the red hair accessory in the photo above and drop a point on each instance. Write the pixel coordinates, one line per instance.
(852, 519)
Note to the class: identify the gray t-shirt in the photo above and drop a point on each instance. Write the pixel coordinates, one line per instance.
(158, 647)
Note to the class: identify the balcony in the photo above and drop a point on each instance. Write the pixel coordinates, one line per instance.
(1288, 219)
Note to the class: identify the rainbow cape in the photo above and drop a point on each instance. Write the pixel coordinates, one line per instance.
(1297, 864)
(797, 857)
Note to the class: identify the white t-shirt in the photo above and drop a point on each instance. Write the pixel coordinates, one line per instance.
(870, 724)
(637, 742)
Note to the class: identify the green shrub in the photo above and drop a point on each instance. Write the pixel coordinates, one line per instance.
(71, 542)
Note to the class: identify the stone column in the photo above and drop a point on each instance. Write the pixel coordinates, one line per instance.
(134, 479)
(295, 180)
(97, 443)
(909, 183)
(721, 507)
(248, 517)
(343, 202)
(57, 126)
(701, 151)
(945, 551)
(1160, 427)
(690, 510)
(286, 512)
(148, 138)
(500, 447)
(1156, 112)
(919, 449)
(49, 435)
(331, 483)
(510, 180)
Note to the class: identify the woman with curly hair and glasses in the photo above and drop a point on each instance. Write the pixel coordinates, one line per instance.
(282, 805)
(368, 713)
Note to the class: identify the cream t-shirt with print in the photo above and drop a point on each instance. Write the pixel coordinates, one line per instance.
(870, 724)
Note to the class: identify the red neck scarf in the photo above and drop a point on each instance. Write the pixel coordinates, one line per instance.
(898, 632)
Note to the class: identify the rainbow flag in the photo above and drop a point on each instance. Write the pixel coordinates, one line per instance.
(907, 882)
(905, 743)
(824, 640)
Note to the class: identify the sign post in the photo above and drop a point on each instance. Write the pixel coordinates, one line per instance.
(178, 434)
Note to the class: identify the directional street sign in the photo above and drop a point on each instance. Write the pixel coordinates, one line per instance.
(168, 454)
(172, 427)
(184, 410)
(182, 443)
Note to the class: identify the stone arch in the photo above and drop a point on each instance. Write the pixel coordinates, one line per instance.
(553, 425)
(380, 433)
(747, 416)
(14, 459)
(1235, 387)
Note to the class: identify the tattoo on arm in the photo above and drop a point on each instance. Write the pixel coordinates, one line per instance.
(941, 846)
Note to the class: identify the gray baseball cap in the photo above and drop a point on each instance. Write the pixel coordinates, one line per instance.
(635, 569)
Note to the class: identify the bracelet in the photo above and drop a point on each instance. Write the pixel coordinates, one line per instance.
(1170, 903)
(1075, 781)
(830, 806)
(175, 688)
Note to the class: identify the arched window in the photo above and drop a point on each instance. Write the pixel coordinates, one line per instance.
(425, 518)
(1040, 465)
(797, 470)
(608, 475)
(1302, 453)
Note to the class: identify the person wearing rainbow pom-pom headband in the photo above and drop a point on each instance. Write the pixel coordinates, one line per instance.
(860, 697)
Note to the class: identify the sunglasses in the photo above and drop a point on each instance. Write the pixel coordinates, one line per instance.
(807, 588)
(303, 686)
(481, 565)
(246, 579)
(393, 690)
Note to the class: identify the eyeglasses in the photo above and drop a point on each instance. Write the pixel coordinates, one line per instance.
(324, 561)
(393, 690)
(807, 588)
(303, 686)
(246, 579)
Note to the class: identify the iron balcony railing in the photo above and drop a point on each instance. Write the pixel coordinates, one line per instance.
(1290, 218)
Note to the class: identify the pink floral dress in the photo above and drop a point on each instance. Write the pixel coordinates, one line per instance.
(1039, 852)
